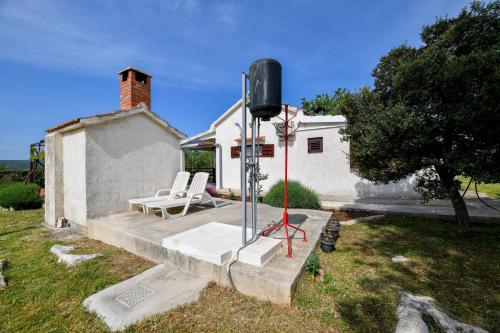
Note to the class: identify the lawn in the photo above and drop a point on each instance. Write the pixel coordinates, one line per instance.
(492, 190)
(359, 291)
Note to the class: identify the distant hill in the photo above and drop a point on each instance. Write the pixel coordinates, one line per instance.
(16, 164)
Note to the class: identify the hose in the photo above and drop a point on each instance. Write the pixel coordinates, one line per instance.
(234, 259)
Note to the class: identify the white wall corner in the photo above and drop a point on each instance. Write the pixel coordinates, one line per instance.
(54, 181)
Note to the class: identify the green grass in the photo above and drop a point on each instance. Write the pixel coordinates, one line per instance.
(360, 288)
(492, 190)
(44, 296)
(359, 291)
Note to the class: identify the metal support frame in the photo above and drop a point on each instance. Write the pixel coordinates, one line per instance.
(253, 165)
(243, 153)
(284, 221)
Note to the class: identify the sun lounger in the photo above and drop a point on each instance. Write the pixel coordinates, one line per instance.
(195, 195)
(178, 189)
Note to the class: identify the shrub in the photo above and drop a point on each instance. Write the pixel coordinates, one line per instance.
(313, 264)
(299, 196)
(20, 196)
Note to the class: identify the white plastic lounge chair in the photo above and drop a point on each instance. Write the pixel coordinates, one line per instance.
(178, 189)
(195, 195)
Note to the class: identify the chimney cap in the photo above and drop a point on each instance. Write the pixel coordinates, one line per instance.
(136, 70)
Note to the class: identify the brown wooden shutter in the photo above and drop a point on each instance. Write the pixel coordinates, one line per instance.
(314, 145)
(235, 152)
(268, 150)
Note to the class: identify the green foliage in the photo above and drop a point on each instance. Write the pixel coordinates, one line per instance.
(299, 196)
(313, 264)
(196, 159)
(12, 176)
(434, 108)
(2, 167)
(20, 196)
(329, 103)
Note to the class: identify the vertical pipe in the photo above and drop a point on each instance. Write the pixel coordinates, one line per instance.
(285, 214)
(243, 158)
(254, 182)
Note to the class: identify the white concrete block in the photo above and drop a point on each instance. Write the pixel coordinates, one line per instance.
(260, 252)
(213, 242)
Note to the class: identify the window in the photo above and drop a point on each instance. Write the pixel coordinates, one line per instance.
(262, 150)
(314, 145)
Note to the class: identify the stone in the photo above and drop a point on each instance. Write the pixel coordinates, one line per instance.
(399, 258)
(63, 253)
(410, 316)
(3, 264)
(62, 222)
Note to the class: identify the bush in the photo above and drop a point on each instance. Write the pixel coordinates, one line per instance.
(313, 264)
(20, 196)
(299, 196)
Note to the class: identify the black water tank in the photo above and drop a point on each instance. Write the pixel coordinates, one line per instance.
(265, 88)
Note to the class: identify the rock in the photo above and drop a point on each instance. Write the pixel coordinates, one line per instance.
(3, 264)
(399, 258)
(62, 222)
(12, 209)
(410, 316)
(64, 255)
(3, 283)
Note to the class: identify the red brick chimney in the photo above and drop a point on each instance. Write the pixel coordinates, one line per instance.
(135, 87)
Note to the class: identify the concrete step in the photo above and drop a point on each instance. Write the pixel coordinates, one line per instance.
(154, 291)
(217, 243)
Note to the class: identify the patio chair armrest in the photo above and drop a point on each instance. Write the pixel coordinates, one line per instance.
(196, 195)
(162, 191)
(179, 194)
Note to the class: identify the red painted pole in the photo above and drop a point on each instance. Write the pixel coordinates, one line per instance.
(284, 221)
(285, 213)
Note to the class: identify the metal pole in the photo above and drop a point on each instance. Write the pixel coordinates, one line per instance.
(243, 158)
(254, 182)
(285, 213)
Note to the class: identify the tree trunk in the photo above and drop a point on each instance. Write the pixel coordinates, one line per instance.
(461, 213)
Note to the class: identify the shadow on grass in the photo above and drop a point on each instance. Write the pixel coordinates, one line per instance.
(461, 274)
(10, 232)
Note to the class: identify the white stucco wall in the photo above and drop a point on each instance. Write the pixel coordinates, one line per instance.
(128, 158)
(54, 190)
(74, 176)
(328, 173)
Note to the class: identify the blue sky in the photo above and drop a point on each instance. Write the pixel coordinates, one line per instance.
(59, 59)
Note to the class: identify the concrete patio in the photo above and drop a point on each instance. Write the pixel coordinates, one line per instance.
(414, 206)
(276, 281)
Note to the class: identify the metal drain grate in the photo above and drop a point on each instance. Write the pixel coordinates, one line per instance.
(134, 295)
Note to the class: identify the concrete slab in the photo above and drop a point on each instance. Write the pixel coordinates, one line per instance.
(156, 290)
(259, 252)
(276, 281)
(213, 242)
(432, 209)
(217, 243)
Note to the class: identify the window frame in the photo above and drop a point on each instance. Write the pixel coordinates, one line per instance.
(311, 141)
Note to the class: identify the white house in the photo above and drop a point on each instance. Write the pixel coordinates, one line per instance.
(317, 156)
(93, 165)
